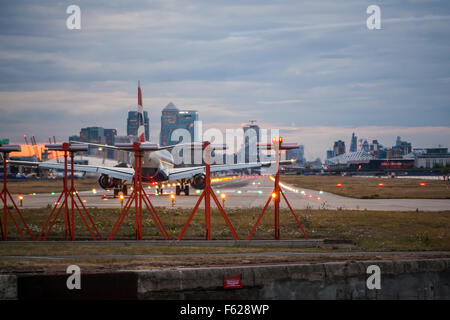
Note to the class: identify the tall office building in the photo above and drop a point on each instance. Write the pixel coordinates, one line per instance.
(92, 135)
(365, 146)
(132, 124)
(354, 143)
(169, 117)
(338, 148)
(110, 135)
(251, 138)
(98, 135)
(172, 119)
(296, 154)
(329, 154)
(402, 147)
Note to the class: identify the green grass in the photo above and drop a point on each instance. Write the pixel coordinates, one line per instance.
(367, 188)
(369, 230)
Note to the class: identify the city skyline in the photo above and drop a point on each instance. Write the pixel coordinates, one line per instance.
(313, 71)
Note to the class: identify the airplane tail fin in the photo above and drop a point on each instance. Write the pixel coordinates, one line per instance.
(141, 124)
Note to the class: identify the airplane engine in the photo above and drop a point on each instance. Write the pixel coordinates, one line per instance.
(108, 183)
(198, 181)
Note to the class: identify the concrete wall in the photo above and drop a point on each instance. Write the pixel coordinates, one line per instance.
(420, 279)
(425, 279)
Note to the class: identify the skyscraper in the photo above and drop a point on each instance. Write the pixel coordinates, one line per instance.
(132, 124)
(92, 135)
(172, 119)
(296, 154)
(251, 138)
(338, 148)
(110, 135)
(365, 146)
(354, 143)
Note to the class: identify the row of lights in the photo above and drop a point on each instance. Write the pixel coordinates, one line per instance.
(381, 184)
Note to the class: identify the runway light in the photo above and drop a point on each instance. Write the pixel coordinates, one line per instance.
(21, 200)
(223, 196)
(52, 193)
(197, 191)
(310, 196)
(318, 198)
(260, 192)
(339, 185)
(274, 195)
(172, 197)
(217, 191)
(320, 192)
(381, 184)
(239, 192)
(422, 184)
(94, 191)
(302, 192)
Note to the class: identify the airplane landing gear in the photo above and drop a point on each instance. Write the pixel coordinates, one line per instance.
(183, 188)
(120, 188)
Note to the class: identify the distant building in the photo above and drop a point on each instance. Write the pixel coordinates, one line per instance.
(338, 148)
(98, 135)
(172, 119)
(296, 154)
(251, 139)
(119, 155)
(329, 154)
(433, 158)
(365, 146)
(354, 143)
(402, 147)
(132, 124)
(110, 135)
(74, 138)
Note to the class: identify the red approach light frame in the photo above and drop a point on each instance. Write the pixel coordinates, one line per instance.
(139, 196)
(69, 195)
(5, 194)
(277, 191)
(208, 193)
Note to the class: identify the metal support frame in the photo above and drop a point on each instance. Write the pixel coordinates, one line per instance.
(4, 195)
(69, 195)
(207, 194)
(139, 196)
(277, 193)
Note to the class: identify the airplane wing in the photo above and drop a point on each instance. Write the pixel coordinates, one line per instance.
(189, 172)
(151, 146)
(114, 172)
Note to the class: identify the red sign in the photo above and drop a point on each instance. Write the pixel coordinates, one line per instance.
(232, 281)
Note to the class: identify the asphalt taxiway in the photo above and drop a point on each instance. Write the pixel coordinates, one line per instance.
(251, 191)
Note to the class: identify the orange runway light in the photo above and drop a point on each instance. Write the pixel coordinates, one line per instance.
(339, 185)
(422, 184)
(381, 184)
(172, 197)
(274, 195)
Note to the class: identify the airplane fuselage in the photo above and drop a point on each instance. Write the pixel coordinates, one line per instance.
(156, 165)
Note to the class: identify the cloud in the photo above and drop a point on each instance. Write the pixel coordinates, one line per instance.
(308, 63)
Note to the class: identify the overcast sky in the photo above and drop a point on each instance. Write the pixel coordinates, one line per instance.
(309, 68)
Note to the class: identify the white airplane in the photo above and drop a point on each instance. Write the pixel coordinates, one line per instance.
(157, 167)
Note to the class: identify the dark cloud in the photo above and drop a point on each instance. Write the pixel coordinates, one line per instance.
(309, 63)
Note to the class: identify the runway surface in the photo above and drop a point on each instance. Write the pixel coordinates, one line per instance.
(251, 191)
